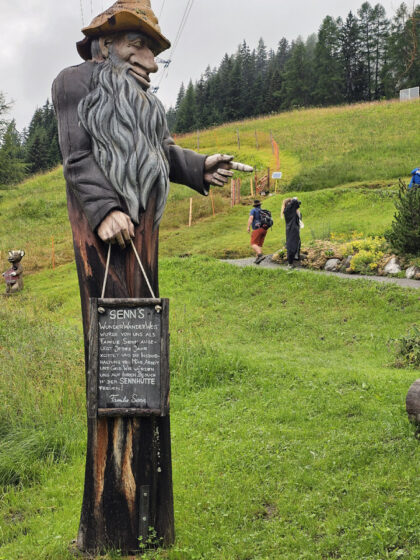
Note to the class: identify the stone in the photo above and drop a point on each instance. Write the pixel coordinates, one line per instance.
(412, 272)
(332, 265)
(345, 265)
(392, 266)
(412, 402)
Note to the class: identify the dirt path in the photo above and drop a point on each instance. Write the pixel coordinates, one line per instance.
(267, 263)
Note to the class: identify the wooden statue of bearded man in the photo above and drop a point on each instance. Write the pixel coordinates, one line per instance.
(119, 160)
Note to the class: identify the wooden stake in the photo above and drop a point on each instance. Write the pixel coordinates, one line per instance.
(191, 208)
(212, 202)
(252, 186)
(53, 253)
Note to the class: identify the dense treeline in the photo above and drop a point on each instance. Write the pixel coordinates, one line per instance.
(361, 58)
(35, 149)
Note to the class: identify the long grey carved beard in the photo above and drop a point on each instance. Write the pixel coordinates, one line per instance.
(127, 126)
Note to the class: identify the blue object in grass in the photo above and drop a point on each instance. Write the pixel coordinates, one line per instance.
(415, 180)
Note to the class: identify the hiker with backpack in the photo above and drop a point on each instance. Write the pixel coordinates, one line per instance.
(291, 213)
(415, 178)
(260, 221)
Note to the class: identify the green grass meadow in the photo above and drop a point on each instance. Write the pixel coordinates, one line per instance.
(290, 438)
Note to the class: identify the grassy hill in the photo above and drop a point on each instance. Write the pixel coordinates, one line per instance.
(290, 438)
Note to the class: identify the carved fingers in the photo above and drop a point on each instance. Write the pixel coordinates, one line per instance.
(218, 169)
(117, 227)
(241, 167)
(220, 177)
(214, 161)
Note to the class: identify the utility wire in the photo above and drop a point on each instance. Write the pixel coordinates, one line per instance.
(181, 28)
(81, 13)
(161, 9)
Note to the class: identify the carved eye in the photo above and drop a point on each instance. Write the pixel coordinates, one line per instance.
(139, 43)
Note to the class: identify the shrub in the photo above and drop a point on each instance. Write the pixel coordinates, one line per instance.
(404, 235)
(408, 348)
(365, 261)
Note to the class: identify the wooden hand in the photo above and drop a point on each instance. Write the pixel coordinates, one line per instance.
(218, 169)
(117, 227)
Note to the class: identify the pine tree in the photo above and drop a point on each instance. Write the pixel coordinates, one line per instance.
(4, 107)
(379, 41)
(12, 166)
(349, 40)
(37, 151)
(245, 62)
(41, 140)
(297, 77)
(186, 120)
(329, 72)
(404, 236)
(366, 25)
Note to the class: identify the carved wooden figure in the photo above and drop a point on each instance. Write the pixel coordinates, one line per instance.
(14, 275)
(118, 162)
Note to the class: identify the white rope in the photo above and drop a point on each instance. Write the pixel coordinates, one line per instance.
(106, 271)
(142, 269)
(108, 259)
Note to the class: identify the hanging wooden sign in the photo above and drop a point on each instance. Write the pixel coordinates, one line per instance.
(128, 357)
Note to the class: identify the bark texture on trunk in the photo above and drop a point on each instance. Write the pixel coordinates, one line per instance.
(128, 478)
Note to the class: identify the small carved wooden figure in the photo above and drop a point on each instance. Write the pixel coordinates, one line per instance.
(14, 275)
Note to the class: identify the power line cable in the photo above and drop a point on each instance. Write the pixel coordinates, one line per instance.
(178, 36)
(161, 9)
(81, 13)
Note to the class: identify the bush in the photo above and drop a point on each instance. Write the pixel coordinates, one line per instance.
(404, 235)
(408, 348)
(365, 261)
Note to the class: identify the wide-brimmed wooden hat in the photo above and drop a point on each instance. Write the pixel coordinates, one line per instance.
(124, 15)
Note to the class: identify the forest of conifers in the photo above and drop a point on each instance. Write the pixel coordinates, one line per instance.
(364, 57)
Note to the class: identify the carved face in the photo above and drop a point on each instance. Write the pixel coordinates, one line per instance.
(15, 256)
(136, 50)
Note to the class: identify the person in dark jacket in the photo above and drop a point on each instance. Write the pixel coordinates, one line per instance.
(291, 213)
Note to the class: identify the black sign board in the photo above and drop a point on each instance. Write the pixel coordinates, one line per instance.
(128, 357)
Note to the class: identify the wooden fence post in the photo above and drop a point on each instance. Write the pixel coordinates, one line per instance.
(212, 201)
(191, 209)
(252, 186)
(238, 191)
(53, 254)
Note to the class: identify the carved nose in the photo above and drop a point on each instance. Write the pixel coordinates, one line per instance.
(146, 60)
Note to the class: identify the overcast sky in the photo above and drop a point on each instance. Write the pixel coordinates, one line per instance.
(39, 36)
